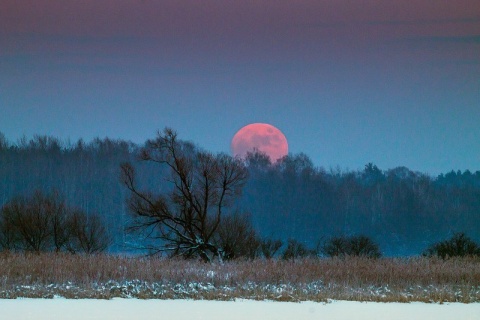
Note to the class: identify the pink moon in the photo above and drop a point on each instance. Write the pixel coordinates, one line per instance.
(262, 137)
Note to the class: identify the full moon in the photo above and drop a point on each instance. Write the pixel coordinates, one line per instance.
(262, 137)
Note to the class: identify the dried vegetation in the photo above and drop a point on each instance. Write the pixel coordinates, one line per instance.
(47, 275)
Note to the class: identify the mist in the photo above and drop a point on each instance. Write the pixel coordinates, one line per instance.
(402, 210)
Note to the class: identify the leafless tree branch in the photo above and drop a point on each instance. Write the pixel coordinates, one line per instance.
(185, 219)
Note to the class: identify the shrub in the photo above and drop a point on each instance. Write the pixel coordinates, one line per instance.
(457, 246)
(296, 250)
(43, 222)
(270, 247)
(351, 246)
(28, 223)
(237, 238)
(87, 234)
(336, 246)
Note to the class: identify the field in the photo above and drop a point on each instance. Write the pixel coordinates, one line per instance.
(119, 309)
(50, 275)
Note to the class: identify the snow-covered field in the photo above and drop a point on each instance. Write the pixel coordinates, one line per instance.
(51, 309)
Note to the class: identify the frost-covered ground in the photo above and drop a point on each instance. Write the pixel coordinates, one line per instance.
(51, 309)
(314, 291)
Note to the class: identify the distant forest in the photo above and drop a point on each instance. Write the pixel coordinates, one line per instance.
(402, 210)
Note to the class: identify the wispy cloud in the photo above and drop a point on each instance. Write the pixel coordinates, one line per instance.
(341, 24)
(424, 22)
(471, 39)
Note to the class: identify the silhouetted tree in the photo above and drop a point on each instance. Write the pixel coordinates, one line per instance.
(8, 234)
(364, 247)
(270, 247)
(31, 219)
(4, 145)
(87, 233)
(43, 222)
(336, 246)
(459, 245)
(59, 216)
(186, 219)
(237, 238)
(351, 246)
(295, 250)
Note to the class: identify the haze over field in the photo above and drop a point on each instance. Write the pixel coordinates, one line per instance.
(402, 210)
(394, 83)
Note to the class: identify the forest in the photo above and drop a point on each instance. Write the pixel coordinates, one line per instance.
(403, 211)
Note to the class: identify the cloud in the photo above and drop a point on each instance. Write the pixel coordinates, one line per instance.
(470, 39)
(393, 23)
(424, 22)
(463, 39)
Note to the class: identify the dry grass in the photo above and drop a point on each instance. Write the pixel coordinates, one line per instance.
(106, 276)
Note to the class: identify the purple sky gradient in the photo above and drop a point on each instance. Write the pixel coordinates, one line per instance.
(348, 82)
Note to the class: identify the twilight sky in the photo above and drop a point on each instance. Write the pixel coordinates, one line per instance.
(396, 83)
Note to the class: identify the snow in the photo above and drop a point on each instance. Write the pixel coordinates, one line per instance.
(118, 308)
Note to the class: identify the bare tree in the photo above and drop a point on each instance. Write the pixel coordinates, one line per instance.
(4, 144)
(36, 223)
(270, 247)
(203, 185)
(361, 246)
(57, 212)
(296, 250)
(87, 233)
(459, 245)
(237, 238)
(44, 222)
(8, 235)
(31, 219)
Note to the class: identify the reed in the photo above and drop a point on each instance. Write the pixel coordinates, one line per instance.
(352, 278)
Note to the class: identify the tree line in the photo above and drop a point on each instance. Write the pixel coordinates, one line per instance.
(400, 210)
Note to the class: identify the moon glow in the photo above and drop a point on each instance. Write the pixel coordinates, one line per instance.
(262, 137)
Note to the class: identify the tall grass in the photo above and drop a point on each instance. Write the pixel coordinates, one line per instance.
(351, 278)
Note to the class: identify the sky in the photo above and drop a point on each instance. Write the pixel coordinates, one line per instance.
(396, 83)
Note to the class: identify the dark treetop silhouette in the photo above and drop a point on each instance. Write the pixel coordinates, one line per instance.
(186, 218)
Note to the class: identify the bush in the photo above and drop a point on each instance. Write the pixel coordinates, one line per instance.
(457, 246)
(361, 246)
(43, 222)
(28, 223)
(270, 247)
(296, 250)
(87, 234)
(336, 246)
(237, 238)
